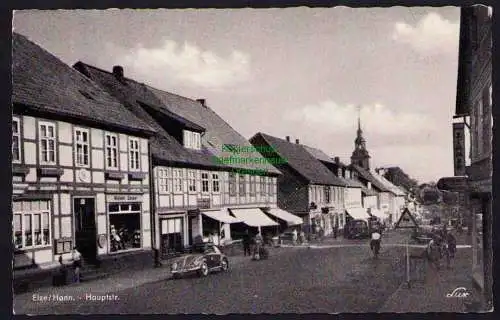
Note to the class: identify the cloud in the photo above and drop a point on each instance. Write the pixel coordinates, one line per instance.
(188, 64)
(432, 35)
(376, 119)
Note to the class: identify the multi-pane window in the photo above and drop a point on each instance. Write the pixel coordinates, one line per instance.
(192, 140)
(16, 140)
(47, 143)
(81, 147)
(262, 185)
(327, 194)
(32, 227)
(270, 186)
(163, 180)
(242, 185)
(215, 182)
(111, 145)
(192, 180)
(232, 184)
(134, 154)
(177, 174)
(253, 185)
(205, 183)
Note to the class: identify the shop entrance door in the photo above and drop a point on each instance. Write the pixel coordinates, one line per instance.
(171, 236)
(85, 228)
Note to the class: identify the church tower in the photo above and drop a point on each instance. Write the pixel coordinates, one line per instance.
(360, 155)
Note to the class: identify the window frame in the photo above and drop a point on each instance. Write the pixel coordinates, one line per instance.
(41, 138)
(32, 214)
(253, 185)
(76, 143)
(327, 196)
(232, 184)
(192, 179)
(17, 135)
(205, 180)
(215, 182)
(263, 187)
(163, 180)
(178, 180)
(111, 148)
(134, 151)
(242, 188)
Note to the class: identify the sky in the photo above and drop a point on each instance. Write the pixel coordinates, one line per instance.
(298, 72)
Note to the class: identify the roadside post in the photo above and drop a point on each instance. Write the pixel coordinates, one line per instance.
(407, 264)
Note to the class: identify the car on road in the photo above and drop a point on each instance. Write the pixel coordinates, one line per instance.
(356, 229)
(205, 259)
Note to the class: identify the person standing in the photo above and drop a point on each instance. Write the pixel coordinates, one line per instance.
(246, 243)
(258, 244)
(77, 264)
(294, 236)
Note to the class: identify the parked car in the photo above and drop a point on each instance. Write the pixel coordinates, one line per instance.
(356, 229)
(205, 258)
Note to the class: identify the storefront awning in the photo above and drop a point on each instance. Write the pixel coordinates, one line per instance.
(379, 214)
(289, 218)
(358, 213)
(253, 217)
(221, 215)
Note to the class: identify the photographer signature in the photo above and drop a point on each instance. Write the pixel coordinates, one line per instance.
(460, 292)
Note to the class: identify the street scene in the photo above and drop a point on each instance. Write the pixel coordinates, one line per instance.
(254, 165)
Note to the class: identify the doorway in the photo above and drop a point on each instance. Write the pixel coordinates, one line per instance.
(85, 228)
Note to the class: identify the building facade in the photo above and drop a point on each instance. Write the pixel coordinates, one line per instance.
(202, 186)
(475, 108)
(306, 187)
(80, 166)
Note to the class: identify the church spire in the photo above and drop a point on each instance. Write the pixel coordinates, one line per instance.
(360, 155)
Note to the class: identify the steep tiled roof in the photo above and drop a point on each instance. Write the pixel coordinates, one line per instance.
(323, 157)
(218, 132)
(42, 82)
(300, 160)
(163, 146)
(368, 176)
(389, 185)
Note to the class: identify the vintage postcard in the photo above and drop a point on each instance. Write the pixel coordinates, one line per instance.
(217, 161)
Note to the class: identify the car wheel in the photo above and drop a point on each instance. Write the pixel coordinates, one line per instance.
(203, 272)
(224, 265)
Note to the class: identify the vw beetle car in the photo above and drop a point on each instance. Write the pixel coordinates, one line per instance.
(208, 258)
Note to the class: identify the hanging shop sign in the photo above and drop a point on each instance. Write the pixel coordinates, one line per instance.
(459, 148)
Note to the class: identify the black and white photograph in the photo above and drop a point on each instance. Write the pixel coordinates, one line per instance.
(252, 161)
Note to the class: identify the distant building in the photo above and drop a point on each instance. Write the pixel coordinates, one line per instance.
(474, 109)
(306, 187)
(398, 177)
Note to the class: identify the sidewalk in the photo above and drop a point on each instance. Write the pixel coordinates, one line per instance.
(434, 293)
(116, 282)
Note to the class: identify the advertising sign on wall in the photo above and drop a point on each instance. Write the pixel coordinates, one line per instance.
(459, 148)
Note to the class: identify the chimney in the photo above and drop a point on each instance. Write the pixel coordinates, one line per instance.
(203, 102)
(118, 72)
(297, 141)
(287, 138)
(337, 160)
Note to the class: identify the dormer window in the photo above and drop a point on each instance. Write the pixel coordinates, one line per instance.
(192, 140)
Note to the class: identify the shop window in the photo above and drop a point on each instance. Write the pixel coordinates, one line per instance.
(111, 145)
(171, 236)
(47, 143)
(125, 226)
(134, 154)
(177, 173)
(232, 184)
(215, 182)
(81, 147)
(16, 140)
(327, 194)
(31, 225)
(205, 183)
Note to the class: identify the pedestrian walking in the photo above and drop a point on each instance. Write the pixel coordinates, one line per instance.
(294, 236)
(451, 245)
(246, 243)
(77, 264)
(302, 237)
(258, 244)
